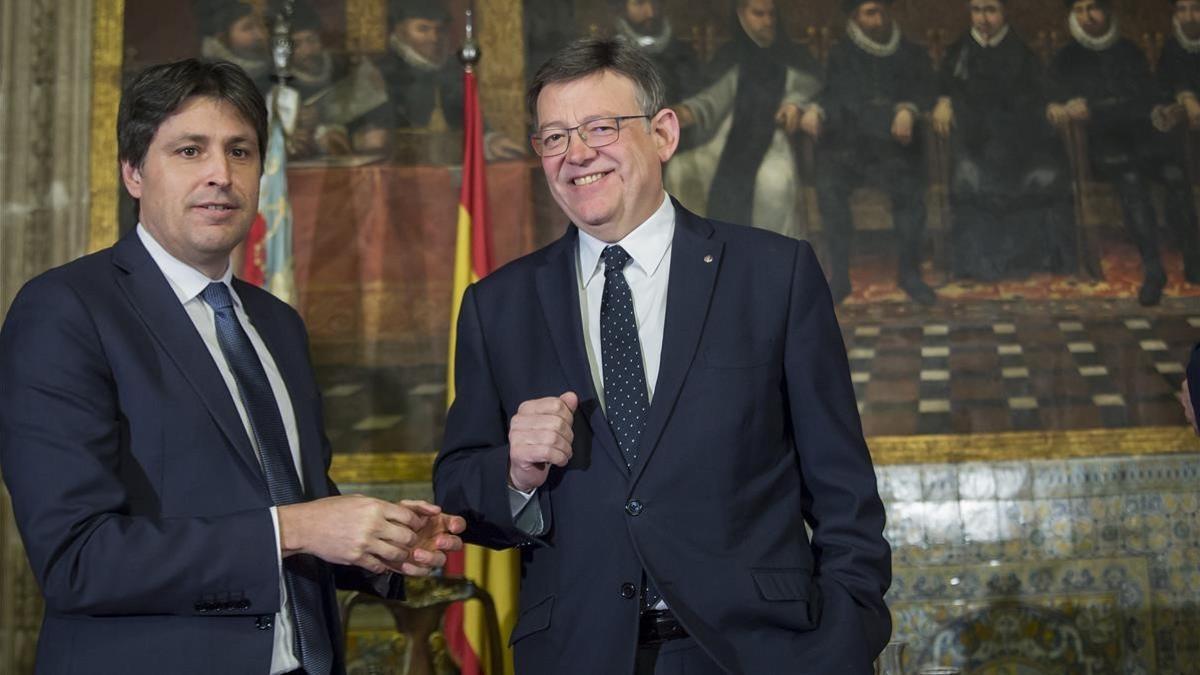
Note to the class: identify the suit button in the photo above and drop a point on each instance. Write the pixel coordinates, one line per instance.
(634, 507)
(628, 590)
(265, 622)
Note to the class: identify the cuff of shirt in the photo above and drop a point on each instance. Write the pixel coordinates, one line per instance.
(526, 512)
(278, 543)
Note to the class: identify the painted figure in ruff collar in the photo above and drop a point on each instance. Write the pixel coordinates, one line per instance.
(1102, 80)
(339, 101)
(1179, 66)
(424, 86)
(236, 31)
(1008, 187)
(424, 82)
(742, 168)
(876, 85)
(1179, 109)
(645, 24)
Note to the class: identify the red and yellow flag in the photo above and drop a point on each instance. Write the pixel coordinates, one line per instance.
(494, 571)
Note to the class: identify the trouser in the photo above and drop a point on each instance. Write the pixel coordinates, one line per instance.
(898, 173)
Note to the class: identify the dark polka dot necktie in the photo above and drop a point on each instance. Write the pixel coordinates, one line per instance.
(625, 396)
(300, 572)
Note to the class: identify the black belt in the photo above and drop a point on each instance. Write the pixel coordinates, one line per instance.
(656, 626)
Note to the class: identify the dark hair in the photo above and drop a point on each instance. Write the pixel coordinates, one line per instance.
(589, 56)
(158, 91)
(431, 10)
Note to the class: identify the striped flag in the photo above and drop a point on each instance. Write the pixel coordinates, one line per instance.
(494, 571)
(268, 258)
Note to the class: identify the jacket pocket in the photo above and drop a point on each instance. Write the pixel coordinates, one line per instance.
(532, 620)
(795, 585)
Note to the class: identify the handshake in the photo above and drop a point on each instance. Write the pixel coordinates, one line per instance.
(408, 537)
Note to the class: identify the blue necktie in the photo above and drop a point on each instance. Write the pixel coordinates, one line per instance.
(625, 398)
(625, 394)
(300, 572)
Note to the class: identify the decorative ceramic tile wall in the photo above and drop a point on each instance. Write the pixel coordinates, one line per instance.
(1047, 567)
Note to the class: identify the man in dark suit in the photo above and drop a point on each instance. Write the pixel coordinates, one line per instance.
(160, 428)
(1103, 80)
(877, 82)
(1008, 187)
(1176, 117)
(652, 408)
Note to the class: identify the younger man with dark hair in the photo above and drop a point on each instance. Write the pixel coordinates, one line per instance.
(161, 431)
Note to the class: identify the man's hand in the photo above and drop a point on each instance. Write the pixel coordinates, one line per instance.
(1185, 399)
(811, 122)
(410, 537)
(301, 143)
(1056, 113)
(439, 535)
(334, 141)
(788, 118)
(943, 117)
(902, 126)
(540, 435)
(1077, 109)
(1167, 117)
(1192, 107)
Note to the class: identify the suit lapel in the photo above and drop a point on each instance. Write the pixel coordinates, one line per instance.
(695, 259)
(558, 291)
(276, 335)
(151, 296)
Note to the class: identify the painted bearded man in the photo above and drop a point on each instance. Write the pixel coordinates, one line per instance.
(1102, 80)
(876, 85)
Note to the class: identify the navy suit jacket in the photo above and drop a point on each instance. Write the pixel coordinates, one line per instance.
(135, 487)
(753, 431)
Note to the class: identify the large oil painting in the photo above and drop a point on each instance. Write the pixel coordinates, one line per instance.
(1003, 194)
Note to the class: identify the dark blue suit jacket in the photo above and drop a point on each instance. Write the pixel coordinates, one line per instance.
(753, 431)
(135, 487)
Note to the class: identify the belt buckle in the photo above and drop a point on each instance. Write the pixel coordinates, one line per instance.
(657, 626)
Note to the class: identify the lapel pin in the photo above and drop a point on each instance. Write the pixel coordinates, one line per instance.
(708, 258)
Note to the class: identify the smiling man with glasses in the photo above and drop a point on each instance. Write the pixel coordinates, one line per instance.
(596, 134)
(652, 408)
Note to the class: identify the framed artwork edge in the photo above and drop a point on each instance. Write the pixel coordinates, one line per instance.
(108, 42)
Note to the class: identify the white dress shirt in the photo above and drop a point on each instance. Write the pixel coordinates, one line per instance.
(188, 283)
(647, 273)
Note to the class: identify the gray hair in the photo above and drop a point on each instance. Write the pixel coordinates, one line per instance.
(590, 56)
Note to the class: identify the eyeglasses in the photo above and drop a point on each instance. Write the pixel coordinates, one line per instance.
(595, 134)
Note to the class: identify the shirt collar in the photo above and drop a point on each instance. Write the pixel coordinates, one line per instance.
(185, 280)
(990, 42)
(647, 244)
(1096, 44)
